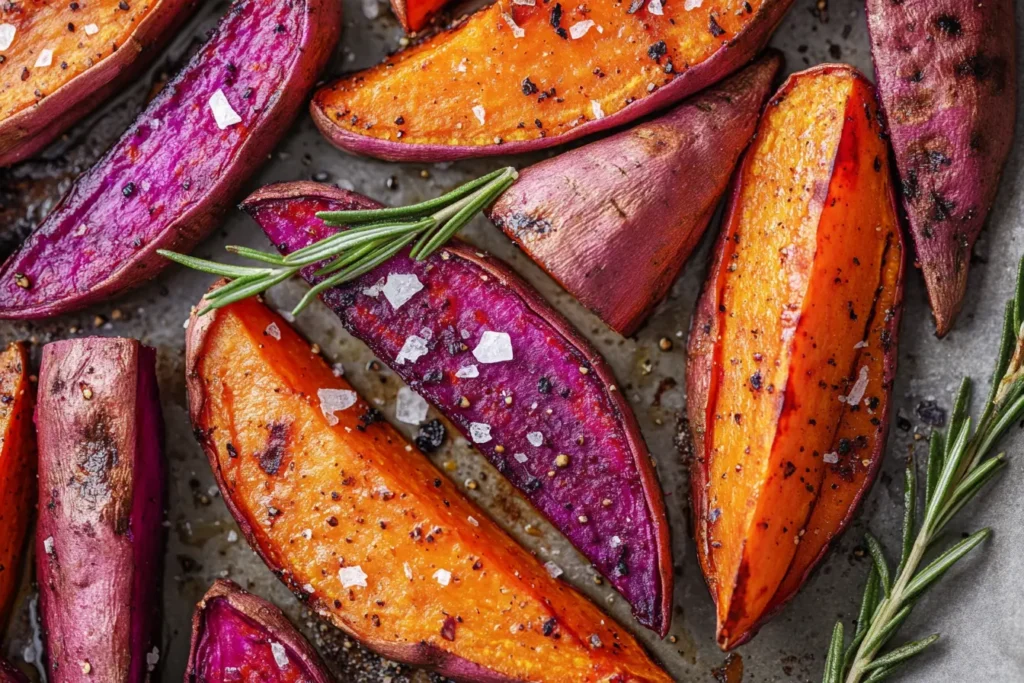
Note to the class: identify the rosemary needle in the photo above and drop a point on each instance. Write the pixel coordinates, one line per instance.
(372, 238)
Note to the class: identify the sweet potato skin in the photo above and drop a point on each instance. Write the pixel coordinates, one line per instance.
(233, 628)
(482, 63)
(608, 482)
(17, 468)
(153, 192)
(416, 14)
(578, 215)
(28, 123)
(101, 483)
(840, 486)
(947, 75)
(354, 492)
(10, 674)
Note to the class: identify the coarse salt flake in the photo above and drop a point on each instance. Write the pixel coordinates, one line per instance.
(860, 345)
(691, 5)
(517, 30)
(280, 655)
(473, 520)
(520, 457)
(580, 28)
(273, 331)
(333, 400)
(468, 372)
(7, 32)
(376, 289)
(831, 458)
(858, 389)
(615, 542)
(655, 7)
(152, 659)
(400, 287)
(480, 432)
(494, 347)
(413, 349)
(371, 9)
(480, 113)
(411, 408)
(443, 576)
(45, 58)
(536, 439)
(595, 106)
(528, 3)
(307, 534)
(352, 576)
(553, 569)
(223, 114)
(91, 29)
(232, 536)
(408, 571)
(48, 545)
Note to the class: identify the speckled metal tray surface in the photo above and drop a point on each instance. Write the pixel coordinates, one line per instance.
(979, 609)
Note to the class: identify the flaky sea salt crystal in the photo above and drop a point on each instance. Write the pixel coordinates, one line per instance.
(415, 347)
(309, 588)
(860, 345)
(376, 289)
(494, 347)
(830, 458)
(7, 32)
(520, 457)
(280, 655)
(411, 408)
(553, 569)
(91, 29)
(223, 114)
(468, 372)
(273, 331)
(443, 576)
(48, 545)
(536, 439)
(408, 571)
(352, 576)
(473, 520)
(615, 542)
(232, 536)
(371, 9)
(333, 400)
(858, 389)
(152, 659)
(595, 107)
(691, 5)
(527, 3)
(580, 28)
(480, 113)
(400, 287)
(45, 58)
(517, 30)
(656, 8)
(480, 432)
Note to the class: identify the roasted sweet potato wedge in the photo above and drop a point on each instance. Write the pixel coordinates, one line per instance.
(17, 468)
(237, 636)
(10, 674)
(101, 487)
(62, 59)
(415, 14)
(516, 378)
(793, 346)
(231, 103)
(516, 77)
(947, 75)
(367, 532)
(581, 215)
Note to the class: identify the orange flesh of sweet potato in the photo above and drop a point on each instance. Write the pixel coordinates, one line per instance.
(415, 14)
(324, 504)
(479, 84)
(17, 467)
(795, 292)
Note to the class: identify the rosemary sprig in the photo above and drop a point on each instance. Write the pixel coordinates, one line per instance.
(373, 237)
(960, 464)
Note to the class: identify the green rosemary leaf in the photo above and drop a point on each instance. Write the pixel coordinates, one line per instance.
(869, 602)
(969, 488)
(881, 674)
(934, 571)
(957, 455)
(960, 405)
(346, 240)
(349, 258)
(909, 514)
(936, 448)
(834, 661)
(211, 267)
(1010, 415)
(881, 566)
(256, 255)
(878, 641)
(902, 654)
(428, 245)
(1006, 344)
(233, 286)
(253, 289)
(1018, 299)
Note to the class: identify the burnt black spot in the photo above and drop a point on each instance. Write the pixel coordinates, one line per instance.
(789, 469)
(232, 451)
(549, 626)
(949, 25)
(520, 224)
(942, 208)
(544, 385)
(977, 66)
(622, 567)
(715, 29)
(931, 413)
(658, 50)
(273, 455)
(756, 381)
(371, 416)
(555, 18)
(431, 436)
(937, 160)
(448, 629)
(528, 86)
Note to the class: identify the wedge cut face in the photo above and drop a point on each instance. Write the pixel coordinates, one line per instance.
(17, 468)
(61, 59)
(792, 350)
(517, 77)
(367, 532)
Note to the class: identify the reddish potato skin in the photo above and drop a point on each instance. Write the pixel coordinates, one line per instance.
(730, 57)
(578, 215)
(101, 483)
(648, 586)
(262, 617)
(9, 674)
(63, 268)
(423, 11)
(29, 131)
(947, 76)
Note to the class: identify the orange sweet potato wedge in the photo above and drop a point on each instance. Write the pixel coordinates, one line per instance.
(516, 78)
(415, 14)
(364, 529)
(17, 467)
(793, 346)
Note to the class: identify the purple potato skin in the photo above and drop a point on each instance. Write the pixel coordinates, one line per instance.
(152, 192)
(946, 72)
(100, 538)
(10, 674)
(29, 131)
(578, 215)
(729, 58)
(608, 482)
(217, 642)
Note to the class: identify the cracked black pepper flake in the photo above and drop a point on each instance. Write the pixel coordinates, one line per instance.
(128, 190)
(431, 436)
(715, 29)
(529, 87)
(658, 50)
(556, 15)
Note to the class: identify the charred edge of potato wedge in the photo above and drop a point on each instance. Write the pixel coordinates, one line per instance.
(17, 468)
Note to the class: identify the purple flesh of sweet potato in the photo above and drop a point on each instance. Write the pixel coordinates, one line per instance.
(947, 76)
(235, 633)
(167, 181)
(550, 418)
(101, 488)
(579, 214)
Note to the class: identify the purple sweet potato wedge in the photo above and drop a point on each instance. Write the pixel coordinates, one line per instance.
(517, 379)
(166, 182)
(95, 48)
(947, 75)
(101, 493)
(581, 215)
(10, 674)
(521, 77)
(236, 635)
